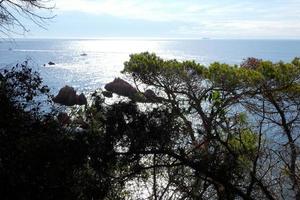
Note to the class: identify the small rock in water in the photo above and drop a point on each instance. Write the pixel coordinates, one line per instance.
(67, 96)
(51, 63)
(121, 87)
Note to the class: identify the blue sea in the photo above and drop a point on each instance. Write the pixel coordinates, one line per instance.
(105, 57)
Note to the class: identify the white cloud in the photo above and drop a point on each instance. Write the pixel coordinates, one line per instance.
(132, 9)
(242, 29)
(213, 18)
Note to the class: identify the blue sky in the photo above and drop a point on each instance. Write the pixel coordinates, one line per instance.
(223, 19)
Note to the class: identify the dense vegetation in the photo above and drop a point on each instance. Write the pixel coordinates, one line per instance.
(216, 132)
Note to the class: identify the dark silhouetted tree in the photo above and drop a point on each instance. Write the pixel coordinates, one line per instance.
(215, 132)
(14, 14)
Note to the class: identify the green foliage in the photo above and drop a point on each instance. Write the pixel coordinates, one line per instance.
(39, 157)
(216, 98)
(152, 70)
(245, 144)
(202, 138)
(20, 86)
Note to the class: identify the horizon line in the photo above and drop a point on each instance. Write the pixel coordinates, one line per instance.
(141, 38)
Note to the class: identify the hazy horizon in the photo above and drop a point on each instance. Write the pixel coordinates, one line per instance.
(139, 38)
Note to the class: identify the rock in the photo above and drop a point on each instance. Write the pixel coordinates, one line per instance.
(81, 100)
(67, 96)
(107, 94)
(121, 87)
(149, 94)
(51, 63)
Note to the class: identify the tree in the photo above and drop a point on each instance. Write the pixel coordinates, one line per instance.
(216, 132)
(278, 105)
(12, 14)
(223, 115)
(216, 146)
(41, 157)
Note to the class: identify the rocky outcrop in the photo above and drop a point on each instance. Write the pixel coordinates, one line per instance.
(81, 99)
(67, 96)
(107, 94)
(121, 87)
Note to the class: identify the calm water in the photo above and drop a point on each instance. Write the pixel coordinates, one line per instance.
(105, 58)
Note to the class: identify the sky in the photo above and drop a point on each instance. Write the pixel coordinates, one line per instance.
(215, 19)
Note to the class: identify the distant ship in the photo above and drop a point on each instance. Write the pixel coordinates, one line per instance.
(83, 54)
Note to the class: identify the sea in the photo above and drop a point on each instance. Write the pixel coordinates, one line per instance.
(88, 64)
